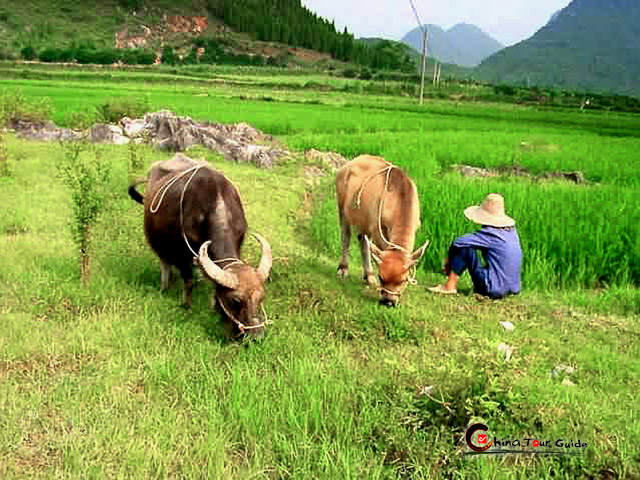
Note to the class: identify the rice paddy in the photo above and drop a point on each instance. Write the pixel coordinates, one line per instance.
(116, 380)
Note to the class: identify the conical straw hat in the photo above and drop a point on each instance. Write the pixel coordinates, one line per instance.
(490, 212)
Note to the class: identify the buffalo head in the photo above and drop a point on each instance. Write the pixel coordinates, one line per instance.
(239, 289)
(394, 267)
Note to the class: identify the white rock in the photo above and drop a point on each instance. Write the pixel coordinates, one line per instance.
(506, 350)
(508, 326)
(132, 128)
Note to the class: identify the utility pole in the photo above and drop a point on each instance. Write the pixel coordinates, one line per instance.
(424, 62)
(435, 74)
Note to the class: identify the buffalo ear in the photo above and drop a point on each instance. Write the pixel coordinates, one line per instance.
(417, 255)
(375, 252)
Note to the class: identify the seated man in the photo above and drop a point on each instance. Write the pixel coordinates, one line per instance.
(500, 246)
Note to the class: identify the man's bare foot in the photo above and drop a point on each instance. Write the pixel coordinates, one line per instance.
(442, 290)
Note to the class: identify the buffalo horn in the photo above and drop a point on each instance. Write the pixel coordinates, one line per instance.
(267, 258)
(213, 271)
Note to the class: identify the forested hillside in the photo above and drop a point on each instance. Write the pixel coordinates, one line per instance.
(212, 31)
(591, 45)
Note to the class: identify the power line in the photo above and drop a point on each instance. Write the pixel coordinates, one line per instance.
(415, 12)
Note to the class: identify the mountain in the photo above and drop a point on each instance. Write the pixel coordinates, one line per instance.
(465, 45)
(448, 70)
(591, 45)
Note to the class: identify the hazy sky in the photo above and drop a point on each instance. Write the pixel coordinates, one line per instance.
(508, 21)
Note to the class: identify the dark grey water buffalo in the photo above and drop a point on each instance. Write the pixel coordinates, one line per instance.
(193, 211)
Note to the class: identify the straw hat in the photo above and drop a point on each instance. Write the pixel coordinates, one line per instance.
(490, 212)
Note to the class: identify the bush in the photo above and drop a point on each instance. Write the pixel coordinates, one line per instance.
(29, 53)
(50, 55)
(365, 74)
(350, 73)
(79, 120)
(117, 108)
(168, 56)
(15, 106)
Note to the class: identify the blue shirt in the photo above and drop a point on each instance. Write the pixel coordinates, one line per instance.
(502, 253)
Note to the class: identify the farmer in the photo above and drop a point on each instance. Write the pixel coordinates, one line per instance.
(500, 246)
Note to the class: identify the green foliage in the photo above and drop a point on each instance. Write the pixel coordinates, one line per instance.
(168, 55)
(350, 73)
(28, 53)
(339, 387)
(576, 51)
(136, 157)
(86, 173)
(131, 5)
(5, 168)
(114, 109)
(15, 106)
(80, 120)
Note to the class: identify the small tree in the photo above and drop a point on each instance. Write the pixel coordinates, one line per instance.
(5, 169)
(87, 177)
(135, 160)
(168, 55)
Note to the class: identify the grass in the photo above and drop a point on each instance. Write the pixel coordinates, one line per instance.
(116, 380)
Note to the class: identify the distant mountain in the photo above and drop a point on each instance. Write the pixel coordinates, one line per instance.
(465, 45)
(448, 70)
(589, 45)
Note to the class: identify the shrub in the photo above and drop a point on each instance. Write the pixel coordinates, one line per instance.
(29, 53)
(365, 74)
(117, 108)
(168, 55)
(350, 73)
(79, 120)
(87, 176)
(50, 55)
(15, 106)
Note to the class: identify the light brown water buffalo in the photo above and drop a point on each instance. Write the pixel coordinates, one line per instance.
(192, 211)
(381, 202)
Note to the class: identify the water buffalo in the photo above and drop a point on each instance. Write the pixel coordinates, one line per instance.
(192, 211)
(381, 202)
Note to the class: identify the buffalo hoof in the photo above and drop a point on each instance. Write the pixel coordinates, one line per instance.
(370, 280)
(385, 302)
(343, 272)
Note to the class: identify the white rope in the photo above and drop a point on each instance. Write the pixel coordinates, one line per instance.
(186, 185)
(386, 169)
(164, 188)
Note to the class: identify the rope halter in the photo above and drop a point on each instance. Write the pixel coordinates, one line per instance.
(241, 326)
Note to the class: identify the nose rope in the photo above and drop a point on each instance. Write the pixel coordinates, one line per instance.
(241, 326)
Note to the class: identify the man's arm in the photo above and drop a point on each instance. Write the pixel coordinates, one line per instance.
(474, 240)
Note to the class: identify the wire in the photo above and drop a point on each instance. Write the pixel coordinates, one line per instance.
(415, 12)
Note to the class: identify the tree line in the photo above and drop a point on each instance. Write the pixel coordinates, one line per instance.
(288, 22)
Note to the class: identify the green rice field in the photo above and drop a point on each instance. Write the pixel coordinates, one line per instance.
(116, 380)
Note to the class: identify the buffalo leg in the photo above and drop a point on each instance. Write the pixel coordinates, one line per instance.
(345, 233)
(165, 275)
(187, 277)
(368, 276)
